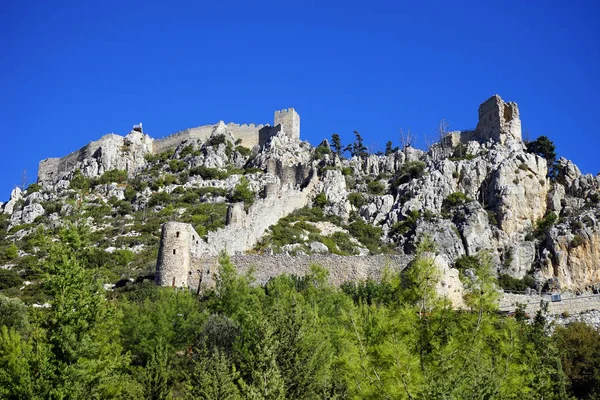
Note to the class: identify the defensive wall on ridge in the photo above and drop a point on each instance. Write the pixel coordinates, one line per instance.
(249, 135)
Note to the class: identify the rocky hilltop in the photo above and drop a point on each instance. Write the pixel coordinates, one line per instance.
(260, 189)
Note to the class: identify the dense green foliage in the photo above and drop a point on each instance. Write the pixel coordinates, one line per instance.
(292, 338)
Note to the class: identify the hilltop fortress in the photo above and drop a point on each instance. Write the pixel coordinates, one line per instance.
(127, 153)
(478, 190)
(186, 260)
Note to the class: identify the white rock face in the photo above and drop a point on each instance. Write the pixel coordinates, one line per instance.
(31, 212)
(522, 256)
(15, 196)
(333, 185)
(475, 229)
(519, 189)
(449, 285)
(318, 247)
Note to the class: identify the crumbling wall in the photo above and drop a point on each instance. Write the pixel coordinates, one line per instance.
(243, 235)
(498, 121)
(53, 169)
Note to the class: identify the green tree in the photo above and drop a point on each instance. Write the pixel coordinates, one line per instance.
(389, 149)
(12, 251)
(243, 192)
(357, 149)
(579, 346)
(336, 143)
(156, 374)
(544, 147)
(13, 314)
(213, 377)
(82, 327)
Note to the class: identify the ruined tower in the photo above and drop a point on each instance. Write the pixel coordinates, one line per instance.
(178, 244)
(498, 121)
(289, 121)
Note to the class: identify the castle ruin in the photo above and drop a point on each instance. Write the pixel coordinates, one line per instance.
(127, 152)
(498, 122)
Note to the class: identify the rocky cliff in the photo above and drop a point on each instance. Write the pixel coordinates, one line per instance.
(473, 192)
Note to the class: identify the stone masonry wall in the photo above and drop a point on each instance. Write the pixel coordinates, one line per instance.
(341, 268)
(52, 169)
(289, 121)
(569, 303)
(243, 235)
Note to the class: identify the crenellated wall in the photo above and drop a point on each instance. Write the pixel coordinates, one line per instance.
(51, 170)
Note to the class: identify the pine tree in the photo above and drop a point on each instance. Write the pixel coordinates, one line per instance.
(336, 143)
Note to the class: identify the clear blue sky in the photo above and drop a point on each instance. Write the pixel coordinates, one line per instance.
(75, 70)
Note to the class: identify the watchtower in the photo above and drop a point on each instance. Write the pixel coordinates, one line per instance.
(498, 121)
(177, 242)
(289, 120)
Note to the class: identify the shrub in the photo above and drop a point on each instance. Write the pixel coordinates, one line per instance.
(216, 140)
(208, 173)
(367, 234)
(186, 151)
(13, 314)
(242, 192)
(130, 194)
(9, 279)
(12, 252)
(409, 171)
(114, 175)
(466, 262)
(252, 170)
(321, 200)
(347, 171)
(405, 226)
(544, 225)
(356, 199)
(177, 165)
(80, 182)
(455, 199)
(244, 151)
(160, 198)
(376, 187)
(34, 187)
(492, 220)
(344, 243)
(577, 241)
(321, 151)
(507, 282)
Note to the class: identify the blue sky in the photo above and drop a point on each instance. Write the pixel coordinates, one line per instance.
(75, 70)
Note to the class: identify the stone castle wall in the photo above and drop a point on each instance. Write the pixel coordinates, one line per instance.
(249, 134)
(341, 268)
(569, 303)
(52, 170)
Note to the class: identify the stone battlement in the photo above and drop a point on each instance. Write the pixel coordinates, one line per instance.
(127, 152)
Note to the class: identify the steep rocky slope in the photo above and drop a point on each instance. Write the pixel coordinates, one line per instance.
(475, 191)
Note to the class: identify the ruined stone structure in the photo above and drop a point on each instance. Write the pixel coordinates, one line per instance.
(127, 153)
(177, 254)
(498, 121)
